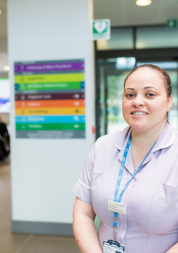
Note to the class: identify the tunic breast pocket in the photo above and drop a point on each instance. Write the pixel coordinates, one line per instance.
(164, 211)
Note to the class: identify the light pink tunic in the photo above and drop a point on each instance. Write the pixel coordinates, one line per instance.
(151, 221)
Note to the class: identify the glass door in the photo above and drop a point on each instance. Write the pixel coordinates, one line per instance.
(111, 75)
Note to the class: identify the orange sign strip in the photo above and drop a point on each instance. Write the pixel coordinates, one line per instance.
(49, 103)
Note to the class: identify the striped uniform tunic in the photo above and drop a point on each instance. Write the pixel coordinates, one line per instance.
(151, 199)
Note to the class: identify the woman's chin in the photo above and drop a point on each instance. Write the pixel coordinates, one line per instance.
(139, 127)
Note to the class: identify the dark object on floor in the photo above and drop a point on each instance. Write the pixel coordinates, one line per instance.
(4, 141)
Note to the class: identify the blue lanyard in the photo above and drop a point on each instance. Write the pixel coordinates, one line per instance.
(121, 173)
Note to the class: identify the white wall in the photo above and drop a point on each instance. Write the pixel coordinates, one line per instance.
(45, 170)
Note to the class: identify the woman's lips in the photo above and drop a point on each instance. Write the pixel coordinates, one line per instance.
(139, 113)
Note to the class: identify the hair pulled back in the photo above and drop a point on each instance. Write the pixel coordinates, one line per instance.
(164, 74)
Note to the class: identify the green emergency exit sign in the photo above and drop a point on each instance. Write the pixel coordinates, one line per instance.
(101, 29)
(172, 23)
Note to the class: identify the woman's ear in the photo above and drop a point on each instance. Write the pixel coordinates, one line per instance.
(169, 103)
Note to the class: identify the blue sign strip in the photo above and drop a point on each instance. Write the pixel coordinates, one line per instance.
(50, 119)
(118, 199)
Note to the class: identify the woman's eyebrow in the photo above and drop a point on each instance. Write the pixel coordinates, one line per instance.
(129, 89)
(147, 87)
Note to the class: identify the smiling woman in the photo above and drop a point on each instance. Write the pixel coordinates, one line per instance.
(146, 102)
(147, 91)
(138, 204)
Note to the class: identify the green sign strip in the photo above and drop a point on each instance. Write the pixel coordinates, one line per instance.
(47, 78)
(48, 86)
(54, 126)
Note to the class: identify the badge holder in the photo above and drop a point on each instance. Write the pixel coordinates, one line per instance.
(112, 246)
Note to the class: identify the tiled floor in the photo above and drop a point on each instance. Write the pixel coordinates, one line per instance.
(25, 243)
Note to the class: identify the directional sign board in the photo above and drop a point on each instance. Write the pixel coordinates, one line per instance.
(50, 99)
(101, 29)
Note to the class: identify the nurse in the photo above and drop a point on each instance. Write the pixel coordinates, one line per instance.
(130, 178)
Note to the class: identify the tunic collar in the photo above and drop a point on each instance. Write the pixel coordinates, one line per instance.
(165, 140)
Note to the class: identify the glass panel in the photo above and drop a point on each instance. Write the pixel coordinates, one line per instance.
(163, 65)
(111, 87)
(173, 113)
(156, 37)
(121, 38)
(102, 109)
(115, 87)
(125, 63)
(171, 68)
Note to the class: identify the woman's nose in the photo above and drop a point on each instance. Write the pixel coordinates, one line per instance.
(139, 101)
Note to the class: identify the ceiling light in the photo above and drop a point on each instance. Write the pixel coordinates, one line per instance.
(6, 68)
(143, 2)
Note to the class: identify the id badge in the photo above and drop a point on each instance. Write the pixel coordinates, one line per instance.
(113, 247)
(116, 207)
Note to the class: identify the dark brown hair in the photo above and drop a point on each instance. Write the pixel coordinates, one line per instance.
(164, 74)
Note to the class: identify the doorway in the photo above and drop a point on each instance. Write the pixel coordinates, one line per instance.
(110, 80)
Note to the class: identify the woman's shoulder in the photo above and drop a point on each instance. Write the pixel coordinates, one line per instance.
(173, 134)
(113, 140)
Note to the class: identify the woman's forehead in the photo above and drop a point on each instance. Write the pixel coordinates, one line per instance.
(145, 75)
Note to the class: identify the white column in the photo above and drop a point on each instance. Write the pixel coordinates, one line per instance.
(45, 170)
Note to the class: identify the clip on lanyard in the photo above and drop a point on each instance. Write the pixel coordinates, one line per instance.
(127, 184)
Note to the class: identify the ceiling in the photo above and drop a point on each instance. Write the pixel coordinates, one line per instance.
(127, 13)
(120, 12)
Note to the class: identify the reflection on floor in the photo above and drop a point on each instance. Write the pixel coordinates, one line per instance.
(25, 243)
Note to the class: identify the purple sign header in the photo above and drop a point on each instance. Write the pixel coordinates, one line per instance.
(47, 67)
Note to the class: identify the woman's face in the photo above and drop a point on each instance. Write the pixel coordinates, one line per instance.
(145, 102)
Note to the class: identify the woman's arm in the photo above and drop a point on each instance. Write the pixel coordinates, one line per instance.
(84, 227)
(173, 249)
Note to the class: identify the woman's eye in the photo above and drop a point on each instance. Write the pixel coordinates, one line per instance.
(150, 94)
(130, 95)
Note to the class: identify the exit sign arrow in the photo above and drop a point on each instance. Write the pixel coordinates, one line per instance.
(172, 23)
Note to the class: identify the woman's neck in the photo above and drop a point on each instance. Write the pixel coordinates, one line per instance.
(142, 142)
(147, 138)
